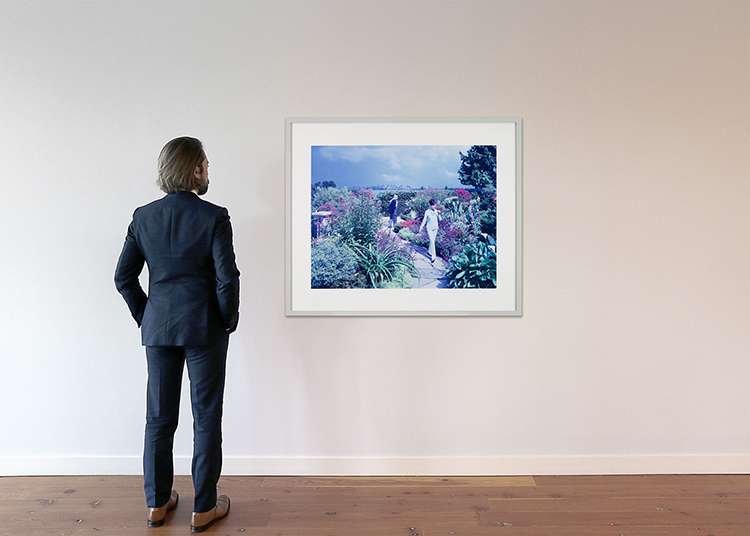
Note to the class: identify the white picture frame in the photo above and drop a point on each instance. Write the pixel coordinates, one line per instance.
(304, 134)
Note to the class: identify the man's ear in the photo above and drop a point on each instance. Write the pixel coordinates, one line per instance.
(198, 172)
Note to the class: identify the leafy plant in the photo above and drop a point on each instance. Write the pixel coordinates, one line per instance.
(462, 213)
(401, 279)
(455, 209)
(380, 263)
(474, 267)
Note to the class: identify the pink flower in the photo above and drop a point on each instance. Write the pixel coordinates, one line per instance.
(463, 195)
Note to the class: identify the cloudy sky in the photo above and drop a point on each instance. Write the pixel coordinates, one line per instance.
(357, 166)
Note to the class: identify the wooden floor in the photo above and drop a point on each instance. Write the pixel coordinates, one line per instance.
(717, 505)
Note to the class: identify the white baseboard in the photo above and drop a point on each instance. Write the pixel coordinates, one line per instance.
(392, 466)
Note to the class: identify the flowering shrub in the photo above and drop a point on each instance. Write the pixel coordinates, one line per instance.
(330, 207)
(385, 238)
(414, 225)
(334, 196)
(451, 239)
(359, 218)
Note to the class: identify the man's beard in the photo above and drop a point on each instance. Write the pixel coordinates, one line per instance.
(203, 188)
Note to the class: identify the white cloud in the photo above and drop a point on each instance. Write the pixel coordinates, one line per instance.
(357, 154)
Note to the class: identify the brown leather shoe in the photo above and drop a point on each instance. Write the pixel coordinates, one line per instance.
(203, 520)
(156, 516)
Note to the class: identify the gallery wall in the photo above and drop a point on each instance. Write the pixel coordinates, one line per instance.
(633, 351)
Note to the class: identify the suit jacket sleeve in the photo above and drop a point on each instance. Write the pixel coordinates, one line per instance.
(227, 274)
(129, 267)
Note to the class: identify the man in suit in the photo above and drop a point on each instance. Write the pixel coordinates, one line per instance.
(191, 308)
(393, 211)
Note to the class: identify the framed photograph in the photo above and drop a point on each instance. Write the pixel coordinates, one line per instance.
(403, 217)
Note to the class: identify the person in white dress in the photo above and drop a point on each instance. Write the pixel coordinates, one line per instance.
(430, 222)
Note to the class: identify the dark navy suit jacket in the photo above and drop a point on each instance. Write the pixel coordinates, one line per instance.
(194, 284)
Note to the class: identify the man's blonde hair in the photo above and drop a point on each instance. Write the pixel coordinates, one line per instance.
(177, 162)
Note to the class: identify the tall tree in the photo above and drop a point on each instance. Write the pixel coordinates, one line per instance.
(479, 166)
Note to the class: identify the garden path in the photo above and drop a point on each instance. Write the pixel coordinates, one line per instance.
(432, 274)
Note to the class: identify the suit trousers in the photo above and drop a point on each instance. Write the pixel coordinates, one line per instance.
(207, 372)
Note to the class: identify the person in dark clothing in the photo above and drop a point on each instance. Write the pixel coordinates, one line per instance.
(191, 307)
(393, 211)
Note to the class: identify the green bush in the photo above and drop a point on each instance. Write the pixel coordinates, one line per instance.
(332, 266)
(474, 267)
(406, 234)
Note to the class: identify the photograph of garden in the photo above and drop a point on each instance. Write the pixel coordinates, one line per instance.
(403, 217)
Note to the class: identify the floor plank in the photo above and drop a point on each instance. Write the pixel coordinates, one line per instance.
(624, 491)
(651, 504)
(407, 481)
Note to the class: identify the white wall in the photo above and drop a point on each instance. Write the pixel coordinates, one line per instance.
(633, 354)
